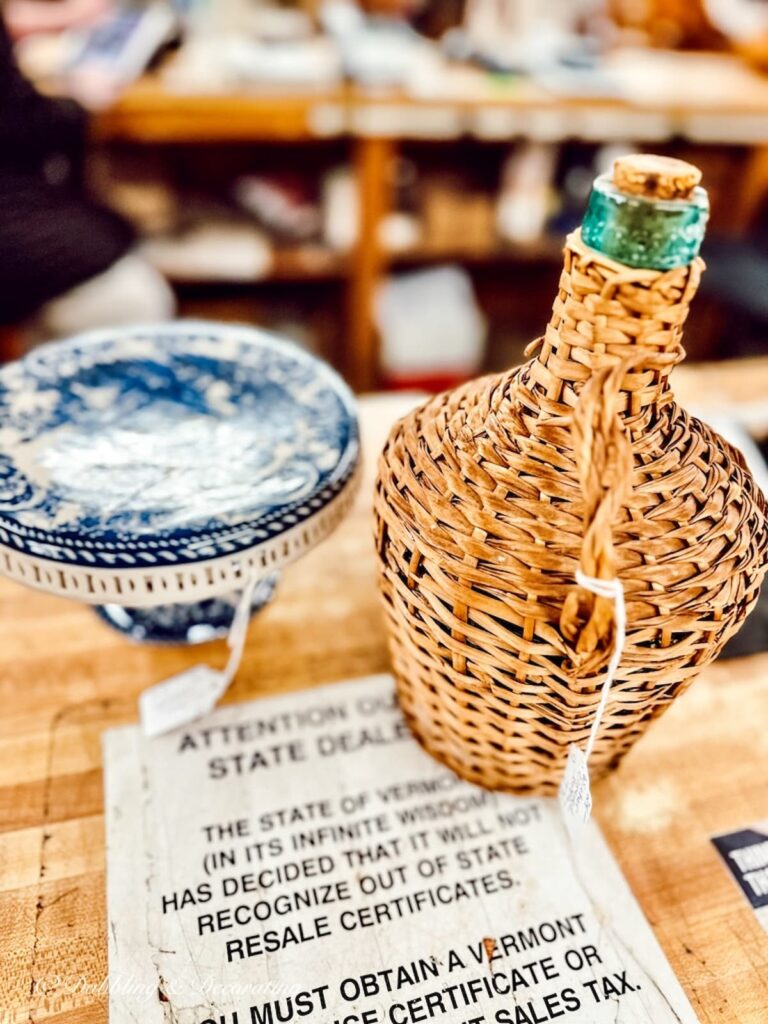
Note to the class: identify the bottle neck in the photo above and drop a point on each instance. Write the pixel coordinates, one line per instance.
(608, 314)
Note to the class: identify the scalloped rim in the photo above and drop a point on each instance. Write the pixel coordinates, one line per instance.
(191, 581)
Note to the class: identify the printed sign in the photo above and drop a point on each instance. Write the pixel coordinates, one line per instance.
(745, 854)
(302, 859)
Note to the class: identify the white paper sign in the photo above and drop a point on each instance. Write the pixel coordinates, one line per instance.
(302, 859)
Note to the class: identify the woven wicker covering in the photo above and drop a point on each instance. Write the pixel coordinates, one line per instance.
(489, 498)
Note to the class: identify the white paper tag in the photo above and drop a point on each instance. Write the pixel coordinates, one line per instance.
(196, 691)
(180, 699)
(575, 794)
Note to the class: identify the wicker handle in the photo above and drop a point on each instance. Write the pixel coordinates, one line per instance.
(641, 312)
(604, 463)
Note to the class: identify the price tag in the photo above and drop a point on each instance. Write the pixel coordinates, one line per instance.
(575, 794)
(193, 693)
(180, 699)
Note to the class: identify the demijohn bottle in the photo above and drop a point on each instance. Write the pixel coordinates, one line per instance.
(491, 497)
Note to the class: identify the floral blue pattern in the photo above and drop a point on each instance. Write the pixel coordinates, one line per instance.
(168, 445)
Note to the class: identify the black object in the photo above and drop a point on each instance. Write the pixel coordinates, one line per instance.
(745, 854)
(52, 236)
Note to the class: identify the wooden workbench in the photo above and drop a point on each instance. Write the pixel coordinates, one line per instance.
(64, 677)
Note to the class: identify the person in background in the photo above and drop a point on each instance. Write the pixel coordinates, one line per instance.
(66, 262)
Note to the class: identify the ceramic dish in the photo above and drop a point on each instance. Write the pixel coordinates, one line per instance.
(146, 466)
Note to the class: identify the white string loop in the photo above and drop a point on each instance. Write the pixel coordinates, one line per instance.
(614, 591)
(238, 629)
(575, 790)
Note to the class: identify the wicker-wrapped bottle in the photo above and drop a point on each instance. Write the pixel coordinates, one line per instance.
(490, 497)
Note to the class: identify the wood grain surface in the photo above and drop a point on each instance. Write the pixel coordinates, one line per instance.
(64, 677)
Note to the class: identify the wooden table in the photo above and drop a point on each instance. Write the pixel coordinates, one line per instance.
(64, 677)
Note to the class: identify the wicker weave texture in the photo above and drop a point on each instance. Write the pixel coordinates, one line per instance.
(490, 496)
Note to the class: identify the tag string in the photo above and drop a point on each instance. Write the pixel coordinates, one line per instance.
(196, 691)
(613, 591)
(239, 630)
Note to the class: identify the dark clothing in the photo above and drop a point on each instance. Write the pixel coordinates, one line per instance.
(52, 237)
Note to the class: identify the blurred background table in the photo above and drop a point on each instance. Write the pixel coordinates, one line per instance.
(64, 677)
(710, 108)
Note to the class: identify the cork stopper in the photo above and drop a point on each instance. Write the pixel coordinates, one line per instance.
(651, 213)
(655, 177)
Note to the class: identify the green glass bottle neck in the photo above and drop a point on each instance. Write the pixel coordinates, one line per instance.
(657, 234)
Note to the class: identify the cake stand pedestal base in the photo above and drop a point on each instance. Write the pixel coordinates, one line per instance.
(193, 622)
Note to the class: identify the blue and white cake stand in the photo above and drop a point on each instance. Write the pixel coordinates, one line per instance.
(153, 471)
